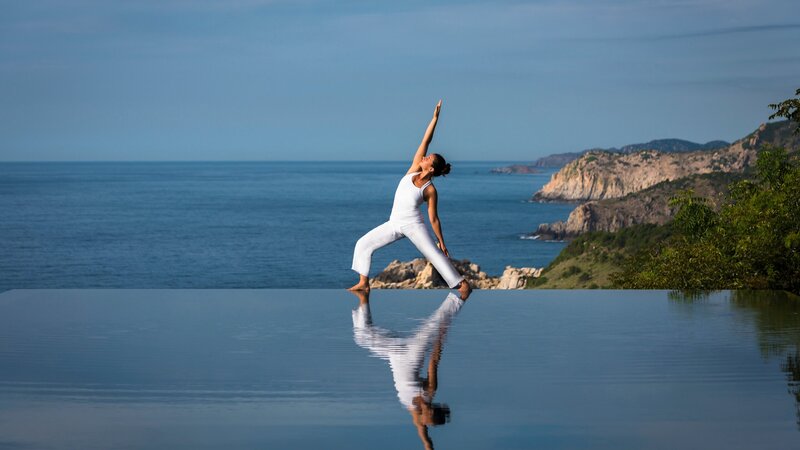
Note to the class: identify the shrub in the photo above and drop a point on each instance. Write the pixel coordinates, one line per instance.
(753, 242)
(571, 270)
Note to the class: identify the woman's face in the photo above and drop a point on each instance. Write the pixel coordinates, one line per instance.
(427, 162)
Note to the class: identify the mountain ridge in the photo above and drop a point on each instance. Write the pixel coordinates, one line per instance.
(667, 145)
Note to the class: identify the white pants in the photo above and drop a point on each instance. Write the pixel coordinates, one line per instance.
(389, 232)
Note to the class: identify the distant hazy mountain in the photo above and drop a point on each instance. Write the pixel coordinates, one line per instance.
(556, 160)
(662, 145)
(516, 168)
(671, 146)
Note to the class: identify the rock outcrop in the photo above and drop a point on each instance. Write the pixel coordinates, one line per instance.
(420, 274)
(601, 175)
(517, 278)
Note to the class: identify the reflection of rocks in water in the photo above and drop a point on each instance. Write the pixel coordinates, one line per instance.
(777, 320)
(420, 274)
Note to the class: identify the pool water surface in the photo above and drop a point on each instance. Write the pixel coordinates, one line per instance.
(99, 369)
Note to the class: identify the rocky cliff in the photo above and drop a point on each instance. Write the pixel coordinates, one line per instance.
(602, 174)
(647, 206)
(420, 274)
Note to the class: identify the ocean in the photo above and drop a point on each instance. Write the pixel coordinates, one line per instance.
(245, 224)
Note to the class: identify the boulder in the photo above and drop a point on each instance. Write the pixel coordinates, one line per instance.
(420, 274)
(517, 278)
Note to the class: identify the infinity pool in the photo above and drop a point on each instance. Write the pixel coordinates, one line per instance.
(312, 369)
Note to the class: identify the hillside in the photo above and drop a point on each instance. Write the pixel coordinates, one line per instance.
(589, 260)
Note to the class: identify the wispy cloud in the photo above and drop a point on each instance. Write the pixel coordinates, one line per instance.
(765, 28)
(726, 31)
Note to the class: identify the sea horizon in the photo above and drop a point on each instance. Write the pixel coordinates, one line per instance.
(358, 161)
(245, 224)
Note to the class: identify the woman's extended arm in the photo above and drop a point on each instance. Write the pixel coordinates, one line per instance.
(433, 214)
(426, 140)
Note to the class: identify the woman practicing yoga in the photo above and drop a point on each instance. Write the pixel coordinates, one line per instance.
(406, 220)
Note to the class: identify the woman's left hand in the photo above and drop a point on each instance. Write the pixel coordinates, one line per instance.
(437, 109)
(443, 249)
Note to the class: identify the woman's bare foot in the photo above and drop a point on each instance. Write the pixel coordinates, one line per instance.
(362, 285)
(464, 289)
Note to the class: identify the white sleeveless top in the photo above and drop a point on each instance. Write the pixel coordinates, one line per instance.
(407, 199)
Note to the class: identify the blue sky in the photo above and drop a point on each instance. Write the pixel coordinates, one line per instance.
(357, 80)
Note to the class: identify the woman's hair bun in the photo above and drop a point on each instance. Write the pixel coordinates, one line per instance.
(440, 166)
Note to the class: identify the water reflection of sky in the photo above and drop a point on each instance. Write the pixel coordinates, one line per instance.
(270, 368)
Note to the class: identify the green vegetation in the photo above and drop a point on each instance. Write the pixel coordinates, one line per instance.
(752, 242)
(589, 261)
(789, 109)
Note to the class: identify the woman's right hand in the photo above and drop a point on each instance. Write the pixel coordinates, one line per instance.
(437, 109)
(443, 249)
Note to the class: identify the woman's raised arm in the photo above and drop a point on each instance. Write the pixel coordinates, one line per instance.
(426, 140)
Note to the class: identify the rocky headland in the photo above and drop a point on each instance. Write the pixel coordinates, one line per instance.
(650, 205)
(602, 174)
(420, 274)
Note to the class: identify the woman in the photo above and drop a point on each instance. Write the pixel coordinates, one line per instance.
(406, 220)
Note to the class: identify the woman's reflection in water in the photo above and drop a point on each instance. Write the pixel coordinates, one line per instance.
(406, 356)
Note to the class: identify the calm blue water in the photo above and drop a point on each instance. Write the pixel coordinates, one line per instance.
(243, 224)
(299, 369)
